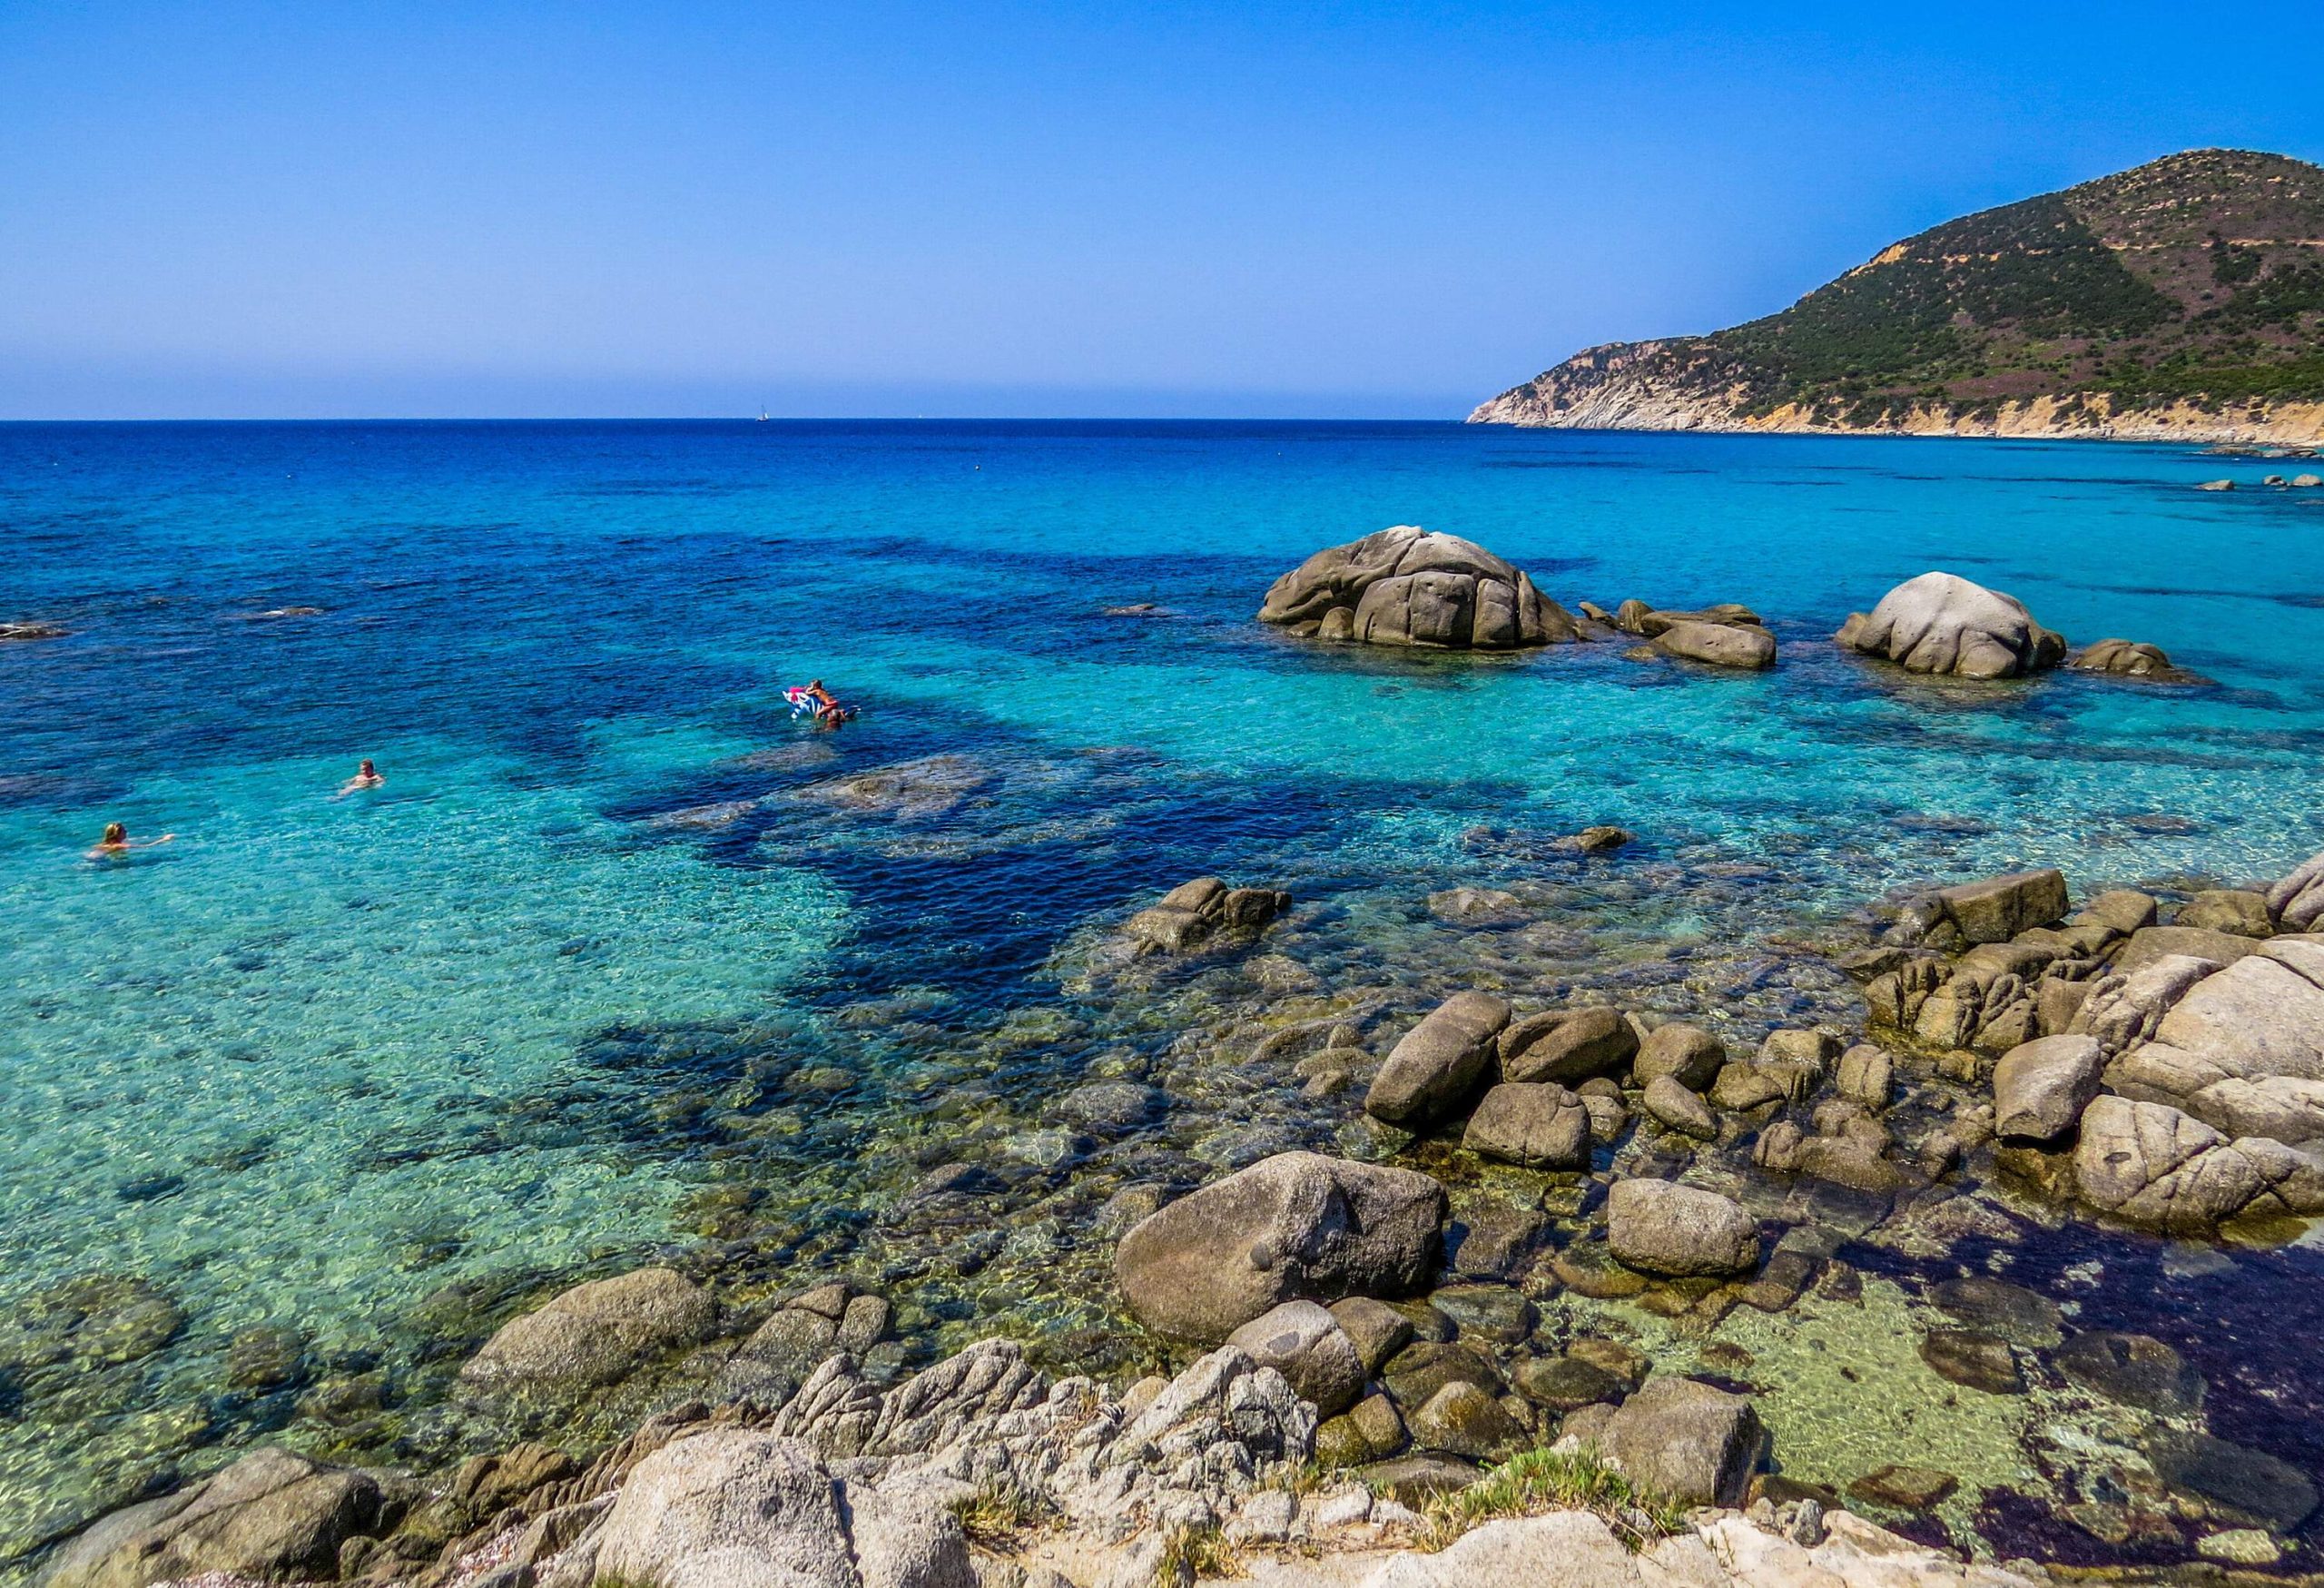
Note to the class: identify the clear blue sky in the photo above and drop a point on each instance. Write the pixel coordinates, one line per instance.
(1395, 210)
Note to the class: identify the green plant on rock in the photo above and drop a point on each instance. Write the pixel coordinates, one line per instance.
(1542, 1481)
(1000, 1513)
(1192, 1553)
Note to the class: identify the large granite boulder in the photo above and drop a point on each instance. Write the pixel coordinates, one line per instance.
(271, 1516)
(1687, 1054)
(2041, 1087)
(737, 1508)
(1567, 1046)
(1298, 1226)
(595, 1334)
(1409, 586)
(1439, 1062)
(1943, 623)
(1687, 1440)
(2150, 1164)
(2242, 1047)
(1659, 1227)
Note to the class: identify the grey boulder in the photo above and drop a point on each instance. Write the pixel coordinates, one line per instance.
(2041, 1087)
(1679, 1109)
(272, 1514)
(1568, 1045)
(1687, 1054)
(2150, 1164)
(1439, 1063)
(1687, 1440)
(1535, 1125)
(1307, 1345)
(1409, 586)
(595, 1334)
(2297, 901)
(1996, 909)
(1297, 1225)
(1941, 623)
(1659, 1227)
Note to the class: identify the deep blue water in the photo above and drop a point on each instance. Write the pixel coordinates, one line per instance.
(317, 1060)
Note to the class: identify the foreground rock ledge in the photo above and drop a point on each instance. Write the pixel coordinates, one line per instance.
(1411, 586)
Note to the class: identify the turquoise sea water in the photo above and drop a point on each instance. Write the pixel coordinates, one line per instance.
(319, 1065)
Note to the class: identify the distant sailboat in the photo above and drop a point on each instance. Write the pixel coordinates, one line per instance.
(762, 416)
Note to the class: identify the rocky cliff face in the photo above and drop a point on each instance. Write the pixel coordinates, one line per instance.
(2181, 301)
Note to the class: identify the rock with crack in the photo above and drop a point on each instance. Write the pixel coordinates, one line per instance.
(1296, 1227)
(2149, 1164)
(1410, 586)
(1941, 623)
(738, 1508)
(2297, 901)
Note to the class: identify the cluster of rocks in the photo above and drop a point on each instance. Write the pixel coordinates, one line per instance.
(1192, 914)
(1722, 636)
(2169, 1075)
(2297, 482)
(1304, 1263)
(1409, 586)
(27, 630)
(847, 1485)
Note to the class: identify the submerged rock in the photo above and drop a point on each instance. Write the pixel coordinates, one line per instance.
(1296, 1227)
(1410, 586)
(595, 1334)
(272, 1514)
(1192, 913)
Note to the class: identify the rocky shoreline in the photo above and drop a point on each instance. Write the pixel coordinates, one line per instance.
(1625, 386)
(1371, 1338)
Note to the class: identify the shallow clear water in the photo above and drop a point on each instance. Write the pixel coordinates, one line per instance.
(324, 1064)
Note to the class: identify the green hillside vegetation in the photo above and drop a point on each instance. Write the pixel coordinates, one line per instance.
(2198, 277)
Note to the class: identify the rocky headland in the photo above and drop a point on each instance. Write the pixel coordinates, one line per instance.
(2177, 302)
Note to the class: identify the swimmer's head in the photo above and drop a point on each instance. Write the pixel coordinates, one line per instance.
(116, 833)
(367, 769)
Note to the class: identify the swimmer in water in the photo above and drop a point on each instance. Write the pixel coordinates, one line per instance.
(365, 776)
(116, 843)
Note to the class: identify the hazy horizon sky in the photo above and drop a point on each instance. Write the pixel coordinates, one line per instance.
(422, 210)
